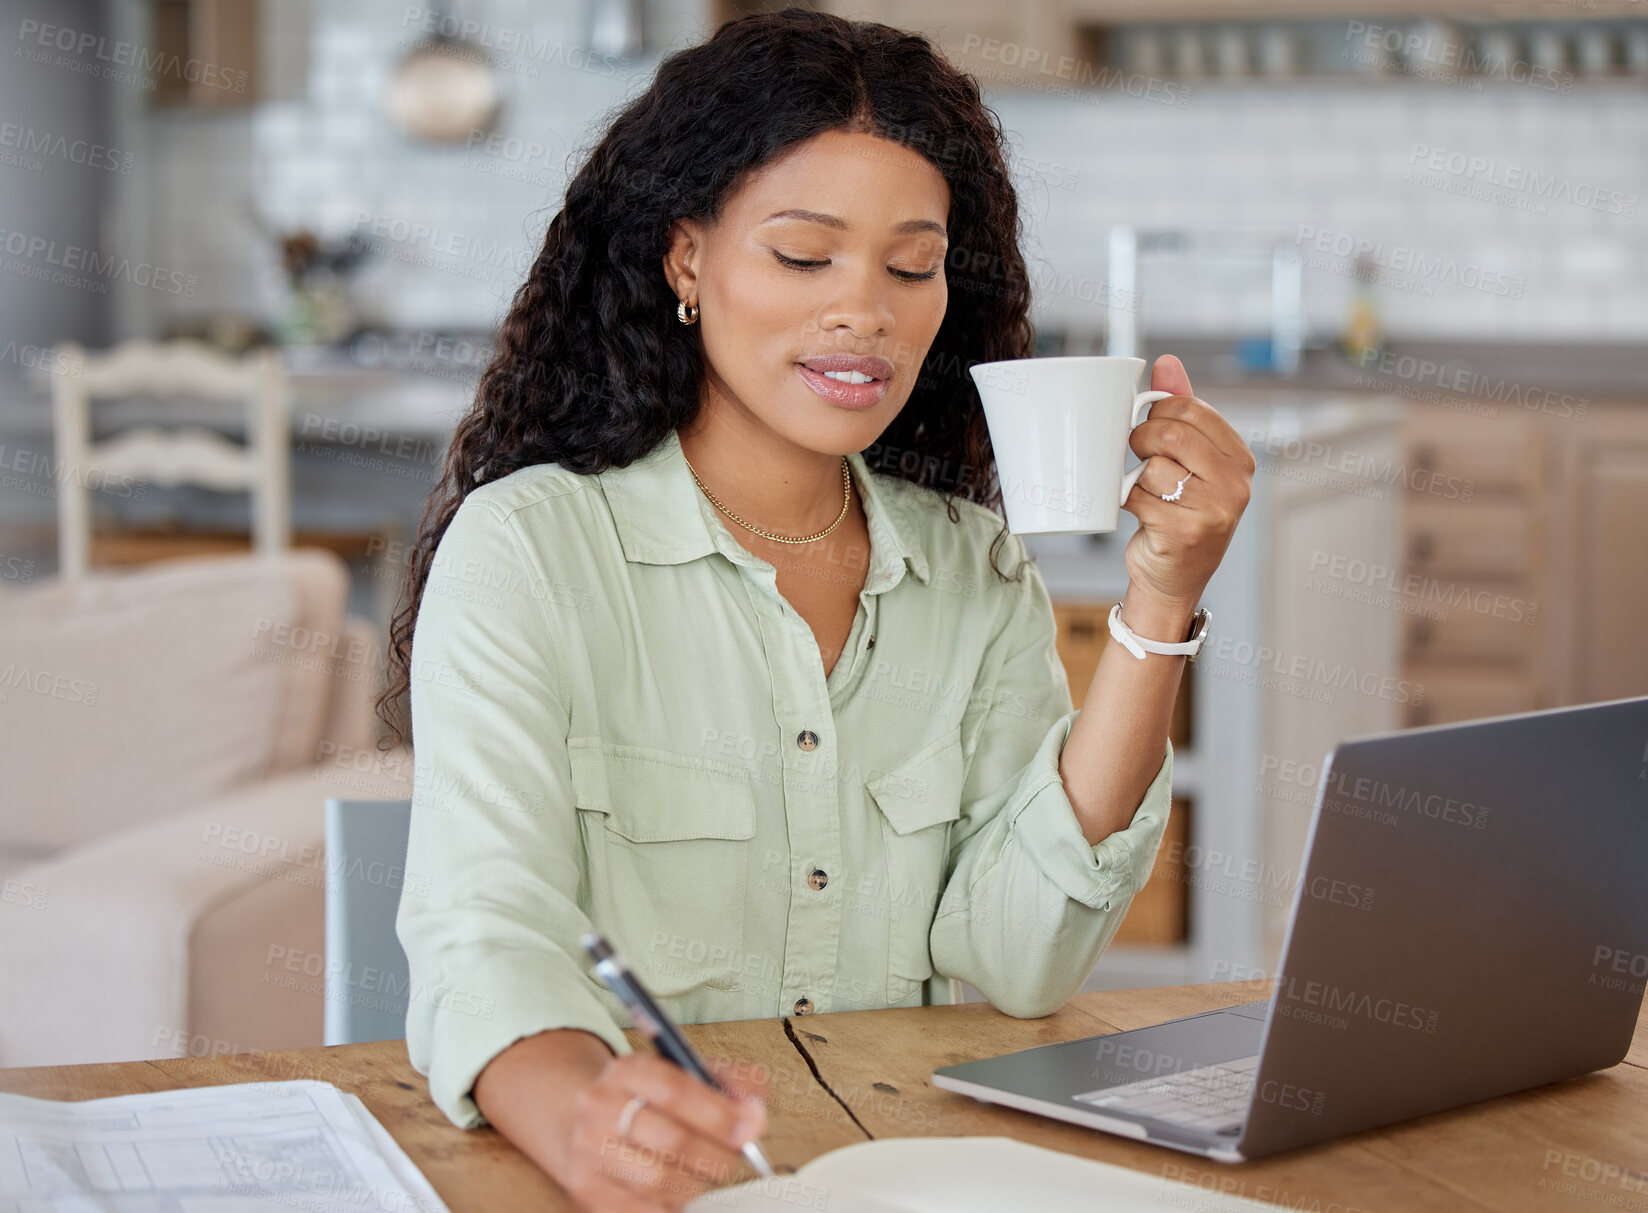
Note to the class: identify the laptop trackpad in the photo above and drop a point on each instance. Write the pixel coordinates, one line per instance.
(1061, 1072)
(1171, 1048)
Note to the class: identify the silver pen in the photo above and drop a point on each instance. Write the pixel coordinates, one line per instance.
(617, 976)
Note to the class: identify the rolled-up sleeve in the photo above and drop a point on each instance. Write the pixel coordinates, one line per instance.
(1029, 905)
(489, 917)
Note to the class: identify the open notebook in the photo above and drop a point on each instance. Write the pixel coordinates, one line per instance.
(260, 1147)
(964, 1174)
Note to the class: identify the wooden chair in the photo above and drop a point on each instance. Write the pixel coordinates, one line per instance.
(181, 455)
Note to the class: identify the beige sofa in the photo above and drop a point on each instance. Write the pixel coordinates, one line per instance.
(168, 738)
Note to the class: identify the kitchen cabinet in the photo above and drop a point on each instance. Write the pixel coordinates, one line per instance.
(206, 52)
(989, 18)
(1599, 581)
(1475, 550)
(1215, 10)
(1526, 564)
(1336, 672)
(1063, 47)
(985, 37)
(1493, 540)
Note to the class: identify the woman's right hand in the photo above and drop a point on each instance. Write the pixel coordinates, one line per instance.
(685, 1138)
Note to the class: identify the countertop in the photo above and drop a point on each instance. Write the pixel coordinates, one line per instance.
(332, 400)
(1432, 369)
(331, 393)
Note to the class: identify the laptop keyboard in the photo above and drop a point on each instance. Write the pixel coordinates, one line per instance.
(1214, 1097)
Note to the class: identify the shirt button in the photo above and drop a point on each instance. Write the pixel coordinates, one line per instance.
(807, 739)
(818, 878)
(803, 1005)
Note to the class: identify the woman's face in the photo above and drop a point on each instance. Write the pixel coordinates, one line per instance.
(825, 267)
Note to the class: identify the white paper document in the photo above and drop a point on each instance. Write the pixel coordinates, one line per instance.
(962, 1174)
(243, 1148)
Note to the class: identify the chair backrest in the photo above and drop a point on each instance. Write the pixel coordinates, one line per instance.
(184, 455)
(368, 982)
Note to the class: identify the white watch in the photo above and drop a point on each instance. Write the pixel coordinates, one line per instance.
(1139, 646)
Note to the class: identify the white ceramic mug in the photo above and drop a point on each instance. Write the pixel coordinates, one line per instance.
(1060, 429)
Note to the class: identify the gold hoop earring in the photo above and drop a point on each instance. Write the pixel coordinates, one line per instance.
(686, 313)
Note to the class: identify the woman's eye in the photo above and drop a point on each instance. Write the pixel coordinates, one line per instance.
(906, 275)
(796, 263)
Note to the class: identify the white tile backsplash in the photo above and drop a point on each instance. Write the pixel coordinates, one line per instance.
(1338, 158)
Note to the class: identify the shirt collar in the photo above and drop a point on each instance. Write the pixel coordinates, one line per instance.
(663, 517)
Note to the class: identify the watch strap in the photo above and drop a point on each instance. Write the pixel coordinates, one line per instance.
(1140, 647)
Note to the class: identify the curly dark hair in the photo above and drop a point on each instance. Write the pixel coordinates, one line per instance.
(592, 369)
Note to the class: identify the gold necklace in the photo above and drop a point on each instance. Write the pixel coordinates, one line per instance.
(846, 501)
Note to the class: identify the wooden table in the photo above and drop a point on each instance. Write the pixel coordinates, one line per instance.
(838, 1079)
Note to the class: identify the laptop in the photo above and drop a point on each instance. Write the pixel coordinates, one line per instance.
(1471, 919)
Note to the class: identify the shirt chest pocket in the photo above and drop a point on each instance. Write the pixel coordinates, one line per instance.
(667, 839)
(918, 800)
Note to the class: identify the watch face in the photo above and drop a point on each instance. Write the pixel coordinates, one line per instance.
(1198, 627)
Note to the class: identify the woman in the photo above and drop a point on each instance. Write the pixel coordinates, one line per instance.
(686, 670)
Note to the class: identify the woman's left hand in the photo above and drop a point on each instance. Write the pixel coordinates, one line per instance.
(1180, 543)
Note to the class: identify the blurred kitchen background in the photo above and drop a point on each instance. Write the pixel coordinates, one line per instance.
(1403, 250)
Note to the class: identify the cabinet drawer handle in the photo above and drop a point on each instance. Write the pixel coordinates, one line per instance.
(1424, 457)
(1422, 546)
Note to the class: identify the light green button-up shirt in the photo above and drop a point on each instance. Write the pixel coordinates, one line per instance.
(620, 724)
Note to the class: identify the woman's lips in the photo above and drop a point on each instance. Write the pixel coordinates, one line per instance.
(837, 391)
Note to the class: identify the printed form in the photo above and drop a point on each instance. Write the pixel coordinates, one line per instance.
(242, 1148)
